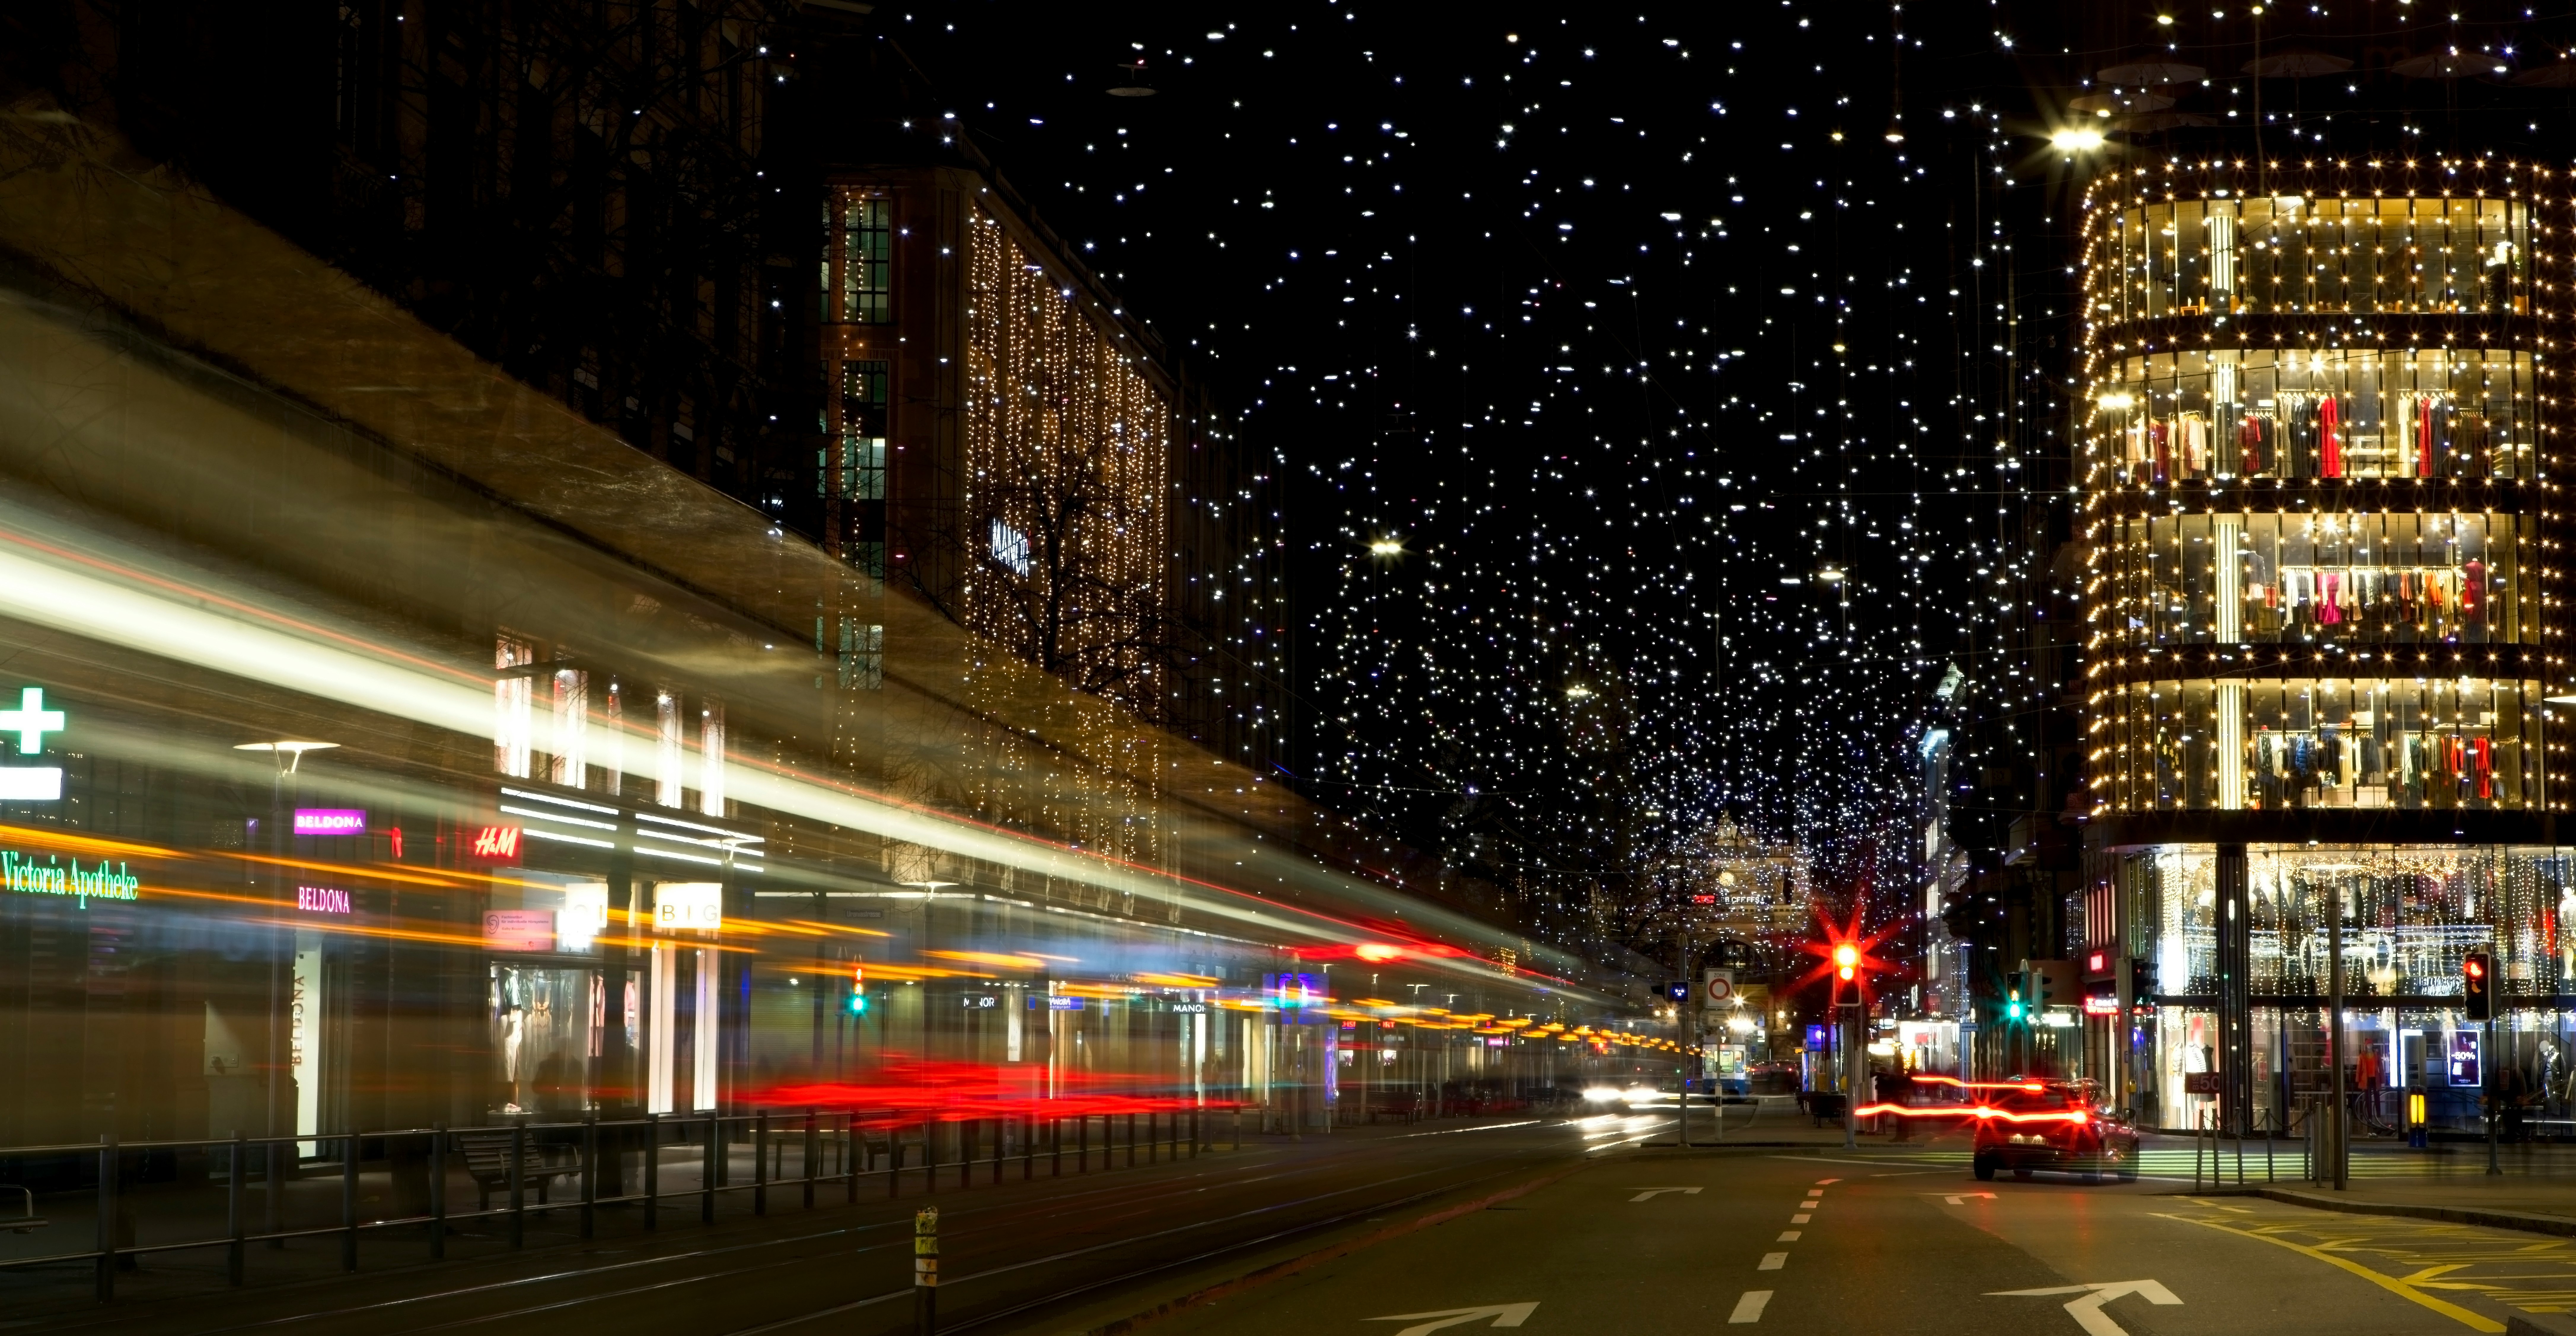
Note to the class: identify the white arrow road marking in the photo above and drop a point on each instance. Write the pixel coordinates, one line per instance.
(1646, 1193)
(2087, 1311)
(1749, 1308)
(1961, 1198)
(1504, 1315)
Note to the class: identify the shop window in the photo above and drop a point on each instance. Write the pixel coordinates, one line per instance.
(2444, 577)
(2263, 413)
(2293, 254)
(2271, 744)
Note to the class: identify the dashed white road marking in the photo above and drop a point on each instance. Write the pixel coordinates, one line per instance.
(1773, 1261)
(1749, 1308)
(1798, 1219)
(1788, 1236)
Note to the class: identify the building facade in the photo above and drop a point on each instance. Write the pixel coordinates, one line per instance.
(2326, 657)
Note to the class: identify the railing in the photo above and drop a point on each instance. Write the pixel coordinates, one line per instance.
(2205, 1129)
(848, 1142)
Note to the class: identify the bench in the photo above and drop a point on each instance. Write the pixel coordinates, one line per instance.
(28, 1223)
(487, 1162)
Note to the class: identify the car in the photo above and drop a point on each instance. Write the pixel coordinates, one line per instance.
(2026, 1126)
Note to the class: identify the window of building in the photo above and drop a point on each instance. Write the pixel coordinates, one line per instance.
(2316, 413)
(867, 260)
(1010, 548)
(2463, 743)
(2442, 577)
(2297, 254)
(861, 472)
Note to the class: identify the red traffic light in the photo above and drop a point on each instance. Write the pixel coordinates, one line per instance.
(2474, 967)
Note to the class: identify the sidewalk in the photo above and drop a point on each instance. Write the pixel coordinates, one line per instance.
(2536, 1193)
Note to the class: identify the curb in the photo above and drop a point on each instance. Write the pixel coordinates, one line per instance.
(1291, 1266)
(2458, 1215)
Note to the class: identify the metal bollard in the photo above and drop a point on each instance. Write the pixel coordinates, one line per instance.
(589, 1173)
(760, 1163)
(437, 1193)
(1055, 1146)
(707, 1171)
(1082, 1130)
(1028, 1147)
(894, 1162)
(1131, 1141)
(812, 1145)
(518, 1184)
(107, 1158)
(349, 1203)
(925, 1271)
(233, 1211)
(652, 1171)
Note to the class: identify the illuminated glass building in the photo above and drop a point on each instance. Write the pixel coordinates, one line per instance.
(2319, 460)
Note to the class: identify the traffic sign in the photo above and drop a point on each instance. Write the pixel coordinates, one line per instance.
(1719, 990)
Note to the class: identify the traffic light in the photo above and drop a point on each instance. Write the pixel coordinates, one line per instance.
(858, 990)
(2052, 983)
(2142, 980)
(2477, 985)
(2013, 1009)
(1846, 961)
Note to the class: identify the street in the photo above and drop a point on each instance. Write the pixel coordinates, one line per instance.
(1645, 1242)
(1538, 1223)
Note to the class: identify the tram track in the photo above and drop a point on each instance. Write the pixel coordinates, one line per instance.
(1003, 1230)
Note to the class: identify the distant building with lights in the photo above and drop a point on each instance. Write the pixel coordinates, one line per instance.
(2320, 452)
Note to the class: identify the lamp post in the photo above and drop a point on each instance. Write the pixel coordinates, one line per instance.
(287, 757)
(1846, 971)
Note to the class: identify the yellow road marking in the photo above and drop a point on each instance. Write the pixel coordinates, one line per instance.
(2389, 1283)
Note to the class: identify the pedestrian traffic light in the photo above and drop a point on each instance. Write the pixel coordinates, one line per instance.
(2477, 985)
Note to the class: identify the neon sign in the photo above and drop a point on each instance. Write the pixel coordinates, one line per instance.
(496, 844)
(31, 721)
(321, 900)
(330, 821)
(25, 876)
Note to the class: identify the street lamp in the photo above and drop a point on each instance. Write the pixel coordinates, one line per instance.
(287, 755)
(2076, 139)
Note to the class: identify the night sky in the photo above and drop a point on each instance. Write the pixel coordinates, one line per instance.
(1627, 327)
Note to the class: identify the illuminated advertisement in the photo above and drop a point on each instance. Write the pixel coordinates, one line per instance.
(25, 875)
(330, 821)
(321, 899)
(689, 904)
(519, 929)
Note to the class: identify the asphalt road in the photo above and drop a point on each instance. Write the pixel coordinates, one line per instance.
(1880, 1243)
(1012, 1253)
(1543, 1224)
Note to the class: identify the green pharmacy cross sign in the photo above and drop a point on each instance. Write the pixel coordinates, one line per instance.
(31, 721)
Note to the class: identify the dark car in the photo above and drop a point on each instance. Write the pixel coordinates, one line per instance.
(2028, 1126)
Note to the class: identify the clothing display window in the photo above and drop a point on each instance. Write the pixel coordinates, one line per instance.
(2263, 413)
(2268, 745)
(548, 1024)
(2448, 577)
(2222, 257)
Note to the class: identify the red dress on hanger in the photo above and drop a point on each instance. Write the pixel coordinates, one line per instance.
(2331, 438)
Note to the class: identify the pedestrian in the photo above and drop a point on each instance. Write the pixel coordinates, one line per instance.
(2513, 1094)
(1895, 1088)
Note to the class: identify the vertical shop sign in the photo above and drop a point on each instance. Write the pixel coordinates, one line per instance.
(305, 1011)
